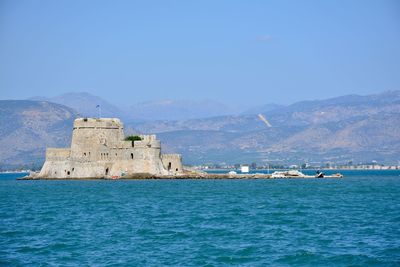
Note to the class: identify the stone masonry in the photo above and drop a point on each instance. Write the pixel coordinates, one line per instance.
(98, 150)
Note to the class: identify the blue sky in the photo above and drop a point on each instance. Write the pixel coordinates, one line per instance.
(238, 52)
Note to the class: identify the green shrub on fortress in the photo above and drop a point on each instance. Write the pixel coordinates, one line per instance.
(133, 138)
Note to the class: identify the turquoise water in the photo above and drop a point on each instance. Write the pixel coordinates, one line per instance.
(353, 221)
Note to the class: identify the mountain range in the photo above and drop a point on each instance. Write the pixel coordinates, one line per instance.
(28, 127)
(166, 109)
(84, 104)
(347, 128)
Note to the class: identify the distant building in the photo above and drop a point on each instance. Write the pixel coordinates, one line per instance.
(244, 168)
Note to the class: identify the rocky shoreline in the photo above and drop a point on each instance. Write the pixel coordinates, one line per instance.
(191, 175)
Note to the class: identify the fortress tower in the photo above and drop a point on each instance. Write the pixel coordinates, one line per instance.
(98, 150)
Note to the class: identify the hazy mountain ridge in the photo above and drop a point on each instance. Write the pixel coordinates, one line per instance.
(338, 129)
(168, 109)
(357, 128)
(301, 113)
(86, 105)
(262, 109)
(28, 127)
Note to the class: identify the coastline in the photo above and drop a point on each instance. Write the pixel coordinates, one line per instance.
(205, 176)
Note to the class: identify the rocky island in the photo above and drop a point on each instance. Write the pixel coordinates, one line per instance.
(100, 150)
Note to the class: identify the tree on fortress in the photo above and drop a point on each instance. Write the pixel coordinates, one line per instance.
(133, 138)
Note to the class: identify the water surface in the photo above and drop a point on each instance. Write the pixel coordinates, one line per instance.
(353, 221)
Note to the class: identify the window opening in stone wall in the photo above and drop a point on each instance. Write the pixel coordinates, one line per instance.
(84, 154)
(68, 173)
(107, 171)
(131, 155)
(176, 169)
(169, 166)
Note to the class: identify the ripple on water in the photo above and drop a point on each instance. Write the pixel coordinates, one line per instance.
(349, 222)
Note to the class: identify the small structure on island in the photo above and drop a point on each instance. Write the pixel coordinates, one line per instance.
(245, 168)
(99, 150)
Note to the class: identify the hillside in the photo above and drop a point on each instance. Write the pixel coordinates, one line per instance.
(85, 104)
(28, 127)
(348, 128)
(168, 109)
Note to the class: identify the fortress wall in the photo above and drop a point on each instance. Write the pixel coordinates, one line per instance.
(148, 137)
(125, 144)
(119, 162)
(89, 135)
(150, 143)
(141, 159)
(97, 123)
(146, 159)
(57, 154)
(73, 169)
(172, 163)
(127, 167)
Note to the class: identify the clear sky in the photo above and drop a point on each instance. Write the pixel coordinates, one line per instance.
(230, 51)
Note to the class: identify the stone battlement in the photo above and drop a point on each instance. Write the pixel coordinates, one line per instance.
(92, 123)
(148, 138)
(171, 156)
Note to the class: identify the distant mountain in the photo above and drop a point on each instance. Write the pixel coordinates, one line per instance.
(262, 109)
(348, 128)
(85, 104)
(303, 113)
(177, 110)
(28, 127)
(356, 128)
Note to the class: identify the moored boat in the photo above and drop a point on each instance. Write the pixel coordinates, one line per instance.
(298, 174)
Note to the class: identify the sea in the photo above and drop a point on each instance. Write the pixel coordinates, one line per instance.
(354, 221)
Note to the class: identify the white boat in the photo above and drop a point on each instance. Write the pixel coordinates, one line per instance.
(298, 174)
(285, 174)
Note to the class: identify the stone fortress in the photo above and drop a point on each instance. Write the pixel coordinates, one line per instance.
(98, 150)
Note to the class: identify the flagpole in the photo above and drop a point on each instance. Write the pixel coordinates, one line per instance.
(99, 107)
